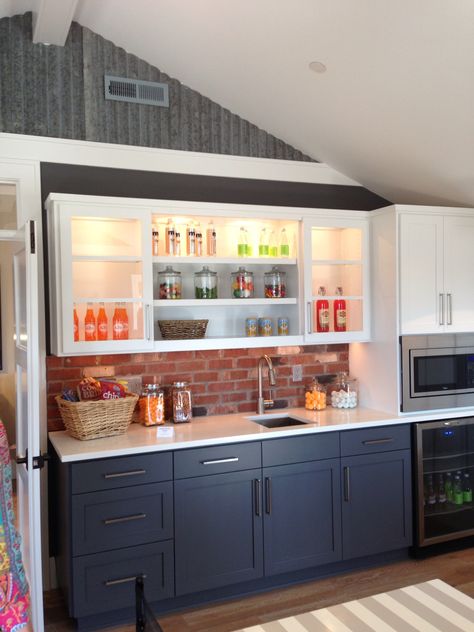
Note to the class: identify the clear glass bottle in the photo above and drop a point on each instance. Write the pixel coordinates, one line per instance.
(315, 396)
(182, 402)
(120, 322)
(191, 239)
(284, 244)
(198, 240)
(151, 406)
(170, 283)
(205, 283)
(177, 243)
(170, 244)
(263, 243)
(344, 391)
(242, 284)
(211, 240)
(242, 244)
(275, 283)
(272, 245)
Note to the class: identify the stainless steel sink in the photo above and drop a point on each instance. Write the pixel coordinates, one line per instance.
(277, 422)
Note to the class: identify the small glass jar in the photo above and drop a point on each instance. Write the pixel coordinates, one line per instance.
(182, 402)
(315, 396)
(275, 283)
(205, 283)
(242, 284)
(151, 406)
(344, 391)
(170, 283)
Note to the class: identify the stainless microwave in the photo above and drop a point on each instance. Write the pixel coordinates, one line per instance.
(437, 371)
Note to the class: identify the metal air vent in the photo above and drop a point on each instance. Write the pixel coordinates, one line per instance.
(136, 91)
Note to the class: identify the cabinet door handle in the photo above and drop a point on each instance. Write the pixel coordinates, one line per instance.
(140, 516)
(231, 459)
(441, 309)
(450, 309)
(378, 441)
(309, 317)
(268, 495)
(347, 483)
(120, 474)
(256, 489)
(123, 580)
(147, 321)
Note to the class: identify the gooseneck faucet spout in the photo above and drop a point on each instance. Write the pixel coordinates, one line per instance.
(263, 403)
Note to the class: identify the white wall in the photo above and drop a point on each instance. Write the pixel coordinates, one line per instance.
(7, 375)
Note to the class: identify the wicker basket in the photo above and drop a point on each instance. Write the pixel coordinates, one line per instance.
(95, 419)
(182, 329)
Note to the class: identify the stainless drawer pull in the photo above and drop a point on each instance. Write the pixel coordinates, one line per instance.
(119, 474)
(378, 441)
(232, 459)
(124, 580)
(125, 519)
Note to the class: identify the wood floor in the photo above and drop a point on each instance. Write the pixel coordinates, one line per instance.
(455, 568)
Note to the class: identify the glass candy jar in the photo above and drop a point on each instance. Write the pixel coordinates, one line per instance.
(205, 283)
(275, 283)
(182, 403)
(242, 284)
(344, 391)
(151, 406)
(170, 283)
(315, 396)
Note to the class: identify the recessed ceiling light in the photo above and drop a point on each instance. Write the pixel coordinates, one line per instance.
(317, 66)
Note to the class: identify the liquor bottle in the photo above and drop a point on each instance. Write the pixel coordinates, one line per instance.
(340, 313)
(466, 488)
(170, 237)
(441, 491)
(102, 323)
(431, 491)
(155, 238)
(177, 243)
(190, 240)
(284, 244)
(448, 486)
(75, 319)
(198, 240)
(242, 244)
(211, 239)
(90, 332)
(458, 496)
(272, 245)
(263, 243)
(322, 311)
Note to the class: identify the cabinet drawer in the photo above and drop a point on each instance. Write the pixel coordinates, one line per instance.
(300, 449)
(380, 439)
(121, 472)
(102, 521)
(217, 459)
(106, 581)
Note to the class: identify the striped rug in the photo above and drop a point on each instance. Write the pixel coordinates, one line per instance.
(432, 606)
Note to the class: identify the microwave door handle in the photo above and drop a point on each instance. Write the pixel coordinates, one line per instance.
(441, 309)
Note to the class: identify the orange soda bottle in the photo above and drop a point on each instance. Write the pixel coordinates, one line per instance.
(90, 330)
(75, 319)
(102, 323)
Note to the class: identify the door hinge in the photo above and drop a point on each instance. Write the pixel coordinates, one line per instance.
(32, 237)
(38, 461)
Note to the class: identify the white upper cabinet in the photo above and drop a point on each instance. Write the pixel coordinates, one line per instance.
(436, 263)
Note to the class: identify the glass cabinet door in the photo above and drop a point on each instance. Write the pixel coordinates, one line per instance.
(336, 281)
(107, 287)
(445, 475)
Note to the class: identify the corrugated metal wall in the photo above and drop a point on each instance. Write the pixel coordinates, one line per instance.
(59, 91)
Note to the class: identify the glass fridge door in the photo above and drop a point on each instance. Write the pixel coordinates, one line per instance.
(445, 455)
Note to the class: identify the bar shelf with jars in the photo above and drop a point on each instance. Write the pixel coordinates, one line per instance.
(445, 460)
(336, 290)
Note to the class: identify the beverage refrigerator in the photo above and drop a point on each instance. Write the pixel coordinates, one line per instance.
(445, 473)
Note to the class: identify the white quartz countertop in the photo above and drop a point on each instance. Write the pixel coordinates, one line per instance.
(219, 429)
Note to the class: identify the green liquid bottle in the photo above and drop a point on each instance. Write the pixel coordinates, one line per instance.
(242, 245)
(458, 496)
(263, 244)
(467, 489)
(284, 245)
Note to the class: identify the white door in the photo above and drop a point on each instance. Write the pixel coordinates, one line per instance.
(458, 267)
(422, 297)
(27, 368)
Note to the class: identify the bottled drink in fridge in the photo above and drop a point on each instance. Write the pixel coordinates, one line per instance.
(90, 331)
(458, 498)
(102, 324)
(284, 244)
(322, 311)
(75, 320)
(430, 491)
(441, 491)
(448, 486)
(466, 488)
(211, 240)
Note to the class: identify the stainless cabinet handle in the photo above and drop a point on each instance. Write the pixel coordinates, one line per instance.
(309, 317)
(441, 309)
(347, 482)
(147, 321)
(123, 580)
(378, 441)
(120, 474)
(140, 516)
(256, 489)
(231, 459)
(450, 309)
(268, 495)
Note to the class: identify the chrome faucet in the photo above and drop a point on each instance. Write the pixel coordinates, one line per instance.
(261, 402)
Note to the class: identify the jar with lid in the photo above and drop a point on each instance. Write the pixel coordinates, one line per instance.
(344, 391)
(182, 403)
(242, 284)
(151, 406)
(315, 396)
(170, 283)
(205, 283)
(275, 283)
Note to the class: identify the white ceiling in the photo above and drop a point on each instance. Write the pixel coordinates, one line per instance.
(394, 111)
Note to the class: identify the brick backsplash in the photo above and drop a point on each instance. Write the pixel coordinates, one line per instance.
(222, 381)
